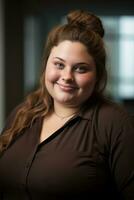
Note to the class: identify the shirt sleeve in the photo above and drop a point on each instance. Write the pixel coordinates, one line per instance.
(122, 158)
(118, 135)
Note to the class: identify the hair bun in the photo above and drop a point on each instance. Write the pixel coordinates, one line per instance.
(86, 20)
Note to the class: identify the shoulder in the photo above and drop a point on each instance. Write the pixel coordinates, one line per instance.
(109, 111)
(106, 111)
(113, 124)
(111, 116)
(11, 116)
(113, 120)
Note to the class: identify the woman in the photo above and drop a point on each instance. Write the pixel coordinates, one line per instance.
(66, 141)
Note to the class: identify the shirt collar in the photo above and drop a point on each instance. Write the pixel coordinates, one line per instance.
(89, 108)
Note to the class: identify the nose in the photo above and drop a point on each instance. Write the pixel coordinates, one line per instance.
(67, 75)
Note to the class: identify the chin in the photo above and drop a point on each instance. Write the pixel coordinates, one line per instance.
(65, 101)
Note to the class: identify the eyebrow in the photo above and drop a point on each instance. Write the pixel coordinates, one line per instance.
(80, 63)
(60, 59)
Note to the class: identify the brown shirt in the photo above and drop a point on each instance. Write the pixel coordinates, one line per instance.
(90, 157)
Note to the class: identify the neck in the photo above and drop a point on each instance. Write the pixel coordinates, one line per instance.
(65, 116)
(63, 112)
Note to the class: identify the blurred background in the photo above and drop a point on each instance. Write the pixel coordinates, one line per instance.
(23, 29)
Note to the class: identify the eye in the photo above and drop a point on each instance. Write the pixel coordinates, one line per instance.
(59, 65)
(81, 69)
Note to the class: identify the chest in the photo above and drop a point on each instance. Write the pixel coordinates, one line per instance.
(70, 155)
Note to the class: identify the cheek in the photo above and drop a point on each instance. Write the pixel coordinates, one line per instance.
(51, 75)
(86, 81)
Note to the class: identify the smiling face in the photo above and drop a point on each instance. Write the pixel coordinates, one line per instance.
(70, 74)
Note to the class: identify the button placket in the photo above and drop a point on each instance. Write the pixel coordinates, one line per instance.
(27, 167)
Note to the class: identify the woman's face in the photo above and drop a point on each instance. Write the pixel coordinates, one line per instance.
(70, 75)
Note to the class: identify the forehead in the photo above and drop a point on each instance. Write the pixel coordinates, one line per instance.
(72, 51)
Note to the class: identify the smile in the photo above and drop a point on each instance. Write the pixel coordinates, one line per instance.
(67, 88)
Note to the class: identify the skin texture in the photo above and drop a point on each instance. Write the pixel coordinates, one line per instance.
(70, 75)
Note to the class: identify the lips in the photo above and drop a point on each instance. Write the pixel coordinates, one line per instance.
(67, 87)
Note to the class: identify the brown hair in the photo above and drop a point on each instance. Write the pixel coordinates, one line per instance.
(82, 26)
